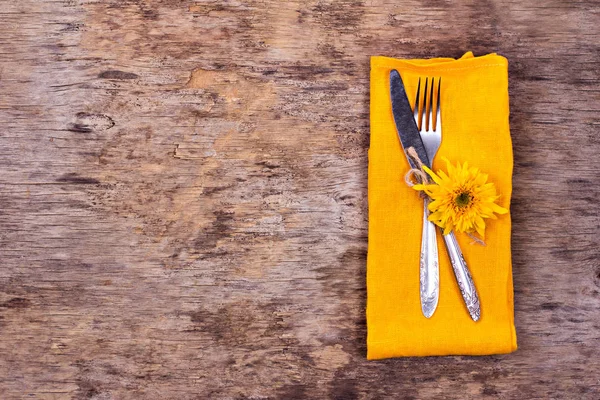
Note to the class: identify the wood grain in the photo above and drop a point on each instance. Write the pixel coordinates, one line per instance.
(183, 198)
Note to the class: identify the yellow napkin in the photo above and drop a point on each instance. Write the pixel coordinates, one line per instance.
(475, 129)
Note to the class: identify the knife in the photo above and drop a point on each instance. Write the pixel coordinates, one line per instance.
(405, 123)
(408, 132)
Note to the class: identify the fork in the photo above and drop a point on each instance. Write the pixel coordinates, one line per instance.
(429, 269)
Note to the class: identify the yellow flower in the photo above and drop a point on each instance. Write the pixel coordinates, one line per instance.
(461, 199)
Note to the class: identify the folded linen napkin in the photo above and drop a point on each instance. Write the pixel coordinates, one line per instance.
(475, 112)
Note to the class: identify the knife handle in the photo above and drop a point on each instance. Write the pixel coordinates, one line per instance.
(463, 276)
(429, 270)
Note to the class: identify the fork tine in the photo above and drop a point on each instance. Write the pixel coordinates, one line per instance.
(438, 104)
(422, 103)
(435, 106)
(431, 105)
(426, 101)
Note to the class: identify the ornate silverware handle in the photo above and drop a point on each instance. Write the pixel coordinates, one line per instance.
(463, 276)
(429, 270)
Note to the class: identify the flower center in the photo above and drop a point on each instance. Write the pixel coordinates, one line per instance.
(463, 199)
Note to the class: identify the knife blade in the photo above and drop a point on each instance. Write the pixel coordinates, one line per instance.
(410, 137)
(408, 132)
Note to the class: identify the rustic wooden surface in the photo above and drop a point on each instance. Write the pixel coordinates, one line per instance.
(183, 203)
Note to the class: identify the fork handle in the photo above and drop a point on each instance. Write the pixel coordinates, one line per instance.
(429, 271)
(463, 276)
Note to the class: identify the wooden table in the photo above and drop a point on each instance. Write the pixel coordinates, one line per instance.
(183, 198)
